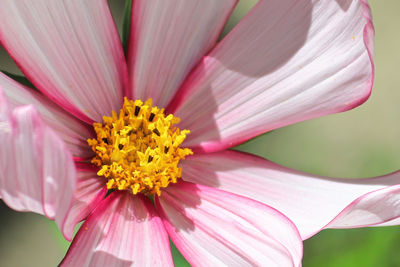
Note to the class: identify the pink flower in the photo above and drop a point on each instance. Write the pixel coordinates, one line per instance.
(287, 61)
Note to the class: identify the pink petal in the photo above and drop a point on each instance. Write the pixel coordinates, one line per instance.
(90, 190)
(311, 202)
(70, 50)
(37, 171)
(167, 39)
(58, 177)
(375, 207)
(20, 136)
(124, 230)
(216, 228)
(71, 130)
(391, 222)
(286, 62)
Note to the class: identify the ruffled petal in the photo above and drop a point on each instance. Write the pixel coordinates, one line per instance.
(311, 202)
(167, 39)
(123, 230)
(70, 50)
(216, 228)
(72, 131)
(37, 171)
(286, 61)
(90, 190)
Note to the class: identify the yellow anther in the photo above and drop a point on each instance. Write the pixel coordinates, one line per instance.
(138, 149)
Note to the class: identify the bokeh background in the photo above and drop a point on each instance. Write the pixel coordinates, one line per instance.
(363, 142)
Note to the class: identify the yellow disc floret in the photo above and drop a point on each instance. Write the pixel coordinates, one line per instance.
(138, 149)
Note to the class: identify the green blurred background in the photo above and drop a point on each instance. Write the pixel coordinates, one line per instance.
(363, 142)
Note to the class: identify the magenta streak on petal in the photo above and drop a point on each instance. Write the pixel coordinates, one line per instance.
(70, 50)
(72, 131)
(167, 39)
(70, 108)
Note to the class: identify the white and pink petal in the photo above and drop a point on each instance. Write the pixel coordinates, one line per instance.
(124, 230)
(90, 191)
(72, 131)
(70, 50)
(285, 62)
(20, 163)
(167, 39)
(37, 171)
(211, 227)
(311, 202)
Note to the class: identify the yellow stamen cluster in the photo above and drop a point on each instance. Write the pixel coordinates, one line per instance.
(138, 149)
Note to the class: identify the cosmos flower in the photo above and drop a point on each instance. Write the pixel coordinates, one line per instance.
(106, 135)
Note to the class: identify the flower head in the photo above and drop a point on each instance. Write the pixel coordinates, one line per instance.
(138, 148)
(88, 131)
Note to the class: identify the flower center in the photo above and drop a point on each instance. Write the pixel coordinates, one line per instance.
(138, 149)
